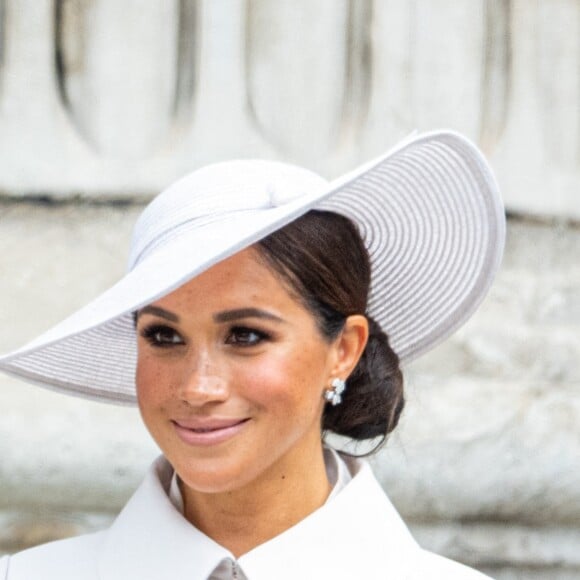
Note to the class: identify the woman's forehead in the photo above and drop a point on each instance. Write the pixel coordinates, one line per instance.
(243, 278)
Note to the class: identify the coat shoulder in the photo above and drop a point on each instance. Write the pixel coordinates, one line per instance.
(436, 567)
(69, 559)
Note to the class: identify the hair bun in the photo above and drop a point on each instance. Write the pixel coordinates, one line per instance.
(373, 400)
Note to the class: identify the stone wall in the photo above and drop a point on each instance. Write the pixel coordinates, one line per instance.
(99, 100)
(485, 462)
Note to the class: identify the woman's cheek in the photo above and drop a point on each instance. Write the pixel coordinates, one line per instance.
(264, 382)
(153, 380)
(282, 388)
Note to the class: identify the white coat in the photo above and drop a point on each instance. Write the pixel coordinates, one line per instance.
(356, 535)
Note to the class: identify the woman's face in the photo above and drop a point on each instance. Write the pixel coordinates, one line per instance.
(231, 374)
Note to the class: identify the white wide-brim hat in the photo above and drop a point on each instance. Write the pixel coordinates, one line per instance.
(429, 212)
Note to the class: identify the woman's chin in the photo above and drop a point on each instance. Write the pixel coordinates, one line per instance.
(213, 481)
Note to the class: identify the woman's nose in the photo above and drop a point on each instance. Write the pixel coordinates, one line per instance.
(202, 381)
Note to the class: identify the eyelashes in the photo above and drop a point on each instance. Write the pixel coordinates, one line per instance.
(163, 336)
(245, 336)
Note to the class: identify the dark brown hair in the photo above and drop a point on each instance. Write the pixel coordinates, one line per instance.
(323, 260)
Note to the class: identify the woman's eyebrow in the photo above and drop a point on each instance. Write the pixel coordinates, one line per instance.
(230, 315)
(157, 311)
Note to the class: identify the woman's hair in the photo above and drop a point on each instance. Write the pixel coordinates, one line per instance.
(323, 260)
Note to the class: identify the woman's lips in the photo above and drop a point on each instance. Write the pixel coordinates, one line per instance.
(210, 431)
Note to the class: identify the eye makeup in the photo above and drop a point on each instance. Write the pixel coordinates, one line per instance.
(161, 335)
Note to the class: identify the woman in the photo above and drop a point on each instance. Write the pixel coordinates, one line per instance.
(251, 323)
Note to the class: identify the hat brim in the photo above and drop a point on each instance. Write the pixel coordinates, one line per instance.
(431, 216)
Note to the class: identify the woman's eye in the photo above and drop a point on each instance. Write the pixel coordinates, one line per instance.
(161, 336)
(242, 336)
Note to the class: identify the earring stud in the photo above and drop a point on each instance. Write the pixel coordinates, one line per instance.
(334, 394)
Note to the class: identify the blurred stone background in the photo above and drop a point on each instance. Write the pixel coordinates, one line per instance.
(102, 103)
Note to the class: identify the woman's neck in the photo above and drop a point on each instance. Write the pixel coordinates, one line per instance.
(244, 518)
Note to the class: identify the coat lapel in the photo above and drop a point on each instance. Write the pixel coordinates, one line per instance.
(358, 534)
(151, 540)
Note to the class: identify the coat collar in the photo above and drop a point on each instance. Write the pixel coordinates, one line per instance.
(355, 535)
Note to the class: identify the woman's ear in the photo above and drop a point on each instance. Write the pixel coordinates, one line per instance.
(350, 345)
